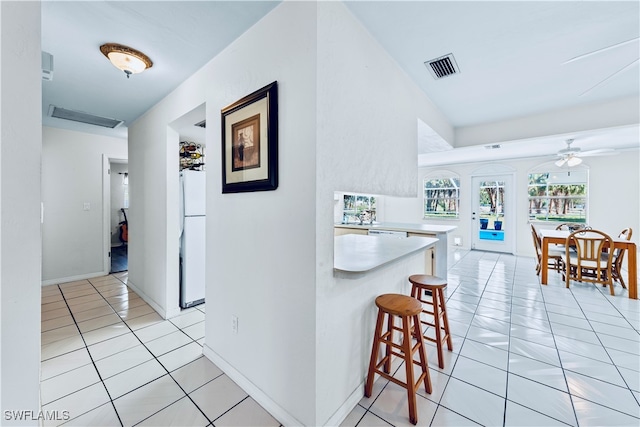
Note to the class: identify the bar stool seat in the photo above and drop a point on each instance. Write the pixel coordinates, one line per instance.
(408, 309)
(424, 285)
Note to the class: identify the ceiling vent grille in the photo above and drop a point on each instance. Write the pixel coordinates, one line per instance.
(202, 124)
(80, 117)
(443, 66)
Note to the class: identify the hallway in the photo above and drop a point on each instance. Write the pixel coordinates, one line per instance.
(109, 359)
(524, 354)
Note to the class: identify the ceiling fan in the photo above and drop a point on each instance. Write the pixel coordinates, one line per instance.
(571, 156)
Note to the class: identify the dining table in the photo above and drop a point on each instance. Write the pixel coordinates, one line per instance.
(559, 237)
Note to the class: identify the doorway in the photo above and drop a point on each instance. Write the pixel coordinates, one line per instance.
(493, 222)
(119, 206)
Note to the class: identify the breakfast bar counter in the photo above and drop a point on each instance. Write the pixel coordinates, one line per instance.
(439, 232)
(355, 253)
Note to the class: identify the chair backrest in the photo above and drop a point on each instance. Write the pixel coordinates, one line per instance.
(572, 226)
(618, 254)
(536, 242)
(590, 248)
(626, 234)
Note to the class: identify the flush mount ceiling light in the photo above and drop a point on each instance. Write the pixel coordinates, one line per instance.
(126, 59)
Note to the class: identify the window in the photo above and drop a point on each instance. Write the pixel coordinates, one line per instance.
(442, 197)
(558, 196)
(359, 208)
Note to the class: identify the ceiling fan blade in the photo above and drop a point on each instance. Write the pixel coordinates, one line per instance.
(604, 49)
(598, 152)
(626, 67)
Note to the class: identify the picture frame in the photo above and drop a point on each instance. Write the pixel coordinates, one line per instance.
(250, 142)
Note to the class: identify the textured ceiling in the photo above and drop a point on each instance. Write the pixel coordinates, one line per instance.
(512, 55)
(179, 37)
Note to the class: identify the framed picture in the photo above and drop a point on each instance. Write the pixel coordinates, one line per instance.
(250, 142)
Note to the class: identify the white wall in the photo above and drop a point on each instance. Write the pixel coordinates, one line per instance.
(260, 246)
(367, 143)
(72, 175)
(347, 121)
(20, 253)
(613, 197)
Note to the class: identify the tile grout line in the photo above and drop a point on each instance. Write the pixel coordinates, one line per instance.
(91, 357)
(163, 367)
(464, 339)
(564, 373)
(506, 385)
(608, 355)
(506, 399)
(438, 404)
(527, 378)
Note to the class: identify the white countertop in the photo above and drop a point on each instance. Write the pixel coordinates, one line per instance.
(401, 226)
(356, 253)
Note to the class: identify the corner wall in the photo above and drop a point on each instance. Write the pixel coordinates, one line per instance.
(20, 236)
(260, 245)
(72, 173)
(367, 143)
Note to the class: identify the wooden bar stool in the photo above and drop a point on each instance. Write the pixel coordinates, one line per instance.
(407, 309)
(425, 284)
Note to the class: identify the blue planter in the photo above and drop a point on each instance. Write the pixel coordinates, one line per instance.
(497, 225)
(484, 223)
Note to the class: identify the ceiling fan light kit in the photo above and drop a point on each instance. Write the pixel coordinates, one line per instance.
(571, 156)
(573, 161)
(569, 161)
(125, 58)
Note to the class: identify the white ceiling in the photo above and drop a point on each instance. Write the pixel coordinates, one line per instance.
(178, 36)
(511, 56)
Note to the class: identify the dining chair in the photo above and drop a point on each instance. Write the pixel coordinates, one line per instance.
(572, 226)
(589, 262)
(618, 257)
(554, 255)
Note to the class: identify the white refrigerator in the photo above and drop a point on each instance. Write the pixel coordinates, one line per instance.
(192, 237)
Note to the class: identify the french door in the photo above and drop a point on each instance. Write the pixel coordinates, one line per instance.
(493, 221)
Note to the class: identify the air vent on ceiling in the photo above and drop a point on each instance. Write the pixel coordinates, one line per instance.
(202, 124)
(443, 66)
(79, 116)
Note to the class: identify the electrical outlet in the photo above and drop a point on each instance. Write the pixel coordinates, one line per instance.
(234, 324)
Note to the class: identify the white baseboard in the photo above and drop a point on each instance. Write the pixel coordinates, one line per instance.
(345, 409)
(73, 278)
(251, 389)
(148, 300)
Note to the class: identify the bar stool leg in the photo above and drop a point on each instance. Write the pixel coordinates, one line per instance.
(408, 361)
(374, 354)
(387, 363)
(436, 321)
(422, 353)
(408, 310)
(445, 320)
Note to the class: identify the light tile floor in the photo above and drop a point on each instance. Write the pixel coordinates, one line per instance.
(524, 355)
(110, 360)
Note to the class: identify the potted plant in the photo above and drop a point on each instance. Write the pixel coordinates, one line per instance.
(484, 222)
(497, 225)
